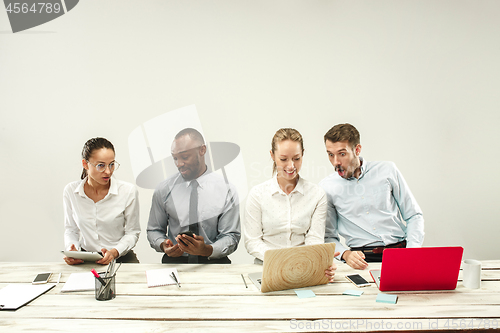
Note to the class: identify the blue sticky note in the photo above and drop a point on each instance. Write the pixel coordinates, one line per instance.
(386, 298)
(305, 293)
(353, 292)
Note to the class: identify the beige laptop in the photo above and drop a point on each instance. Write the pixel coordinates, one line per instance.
(294, 267)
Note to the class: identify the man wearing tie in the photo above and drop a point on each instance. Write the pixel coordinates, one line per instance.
(194, 200)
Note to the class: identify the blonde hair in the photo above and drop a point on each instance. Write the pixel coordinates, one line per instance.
(285, 134)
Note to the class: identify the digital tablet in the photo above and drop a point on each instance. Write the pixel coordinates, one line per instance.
(85, 256)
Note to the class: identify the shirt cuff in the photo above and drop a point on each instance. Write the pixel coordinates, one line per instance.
(122, 249)
(218, 251)
(158, 243)
(339, 257)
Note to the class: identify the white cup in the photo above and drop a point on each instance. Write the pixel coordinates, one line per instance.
(472, 274)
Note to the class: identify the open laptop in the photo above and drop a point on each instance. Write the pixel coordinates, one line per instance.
(425, 268)
(294, 267)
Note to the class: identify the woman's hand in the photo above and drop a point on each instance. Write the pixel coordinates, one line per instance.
(72, 261)
(108, 256)
(330, 272)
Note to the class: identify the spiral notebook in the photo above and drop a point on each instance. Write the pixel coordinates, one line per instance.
(161, 277)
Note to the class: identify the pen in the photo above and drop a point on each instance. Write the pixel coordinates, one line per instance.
(244, 280)
(175, 279)
(98, 277)
(116, 270)
(58, 279)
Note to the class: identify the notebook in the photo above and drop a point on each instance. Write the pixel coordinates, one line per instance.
(79, 282)
(14, 296)
(161, 277)
(425, 268)
(294, 267)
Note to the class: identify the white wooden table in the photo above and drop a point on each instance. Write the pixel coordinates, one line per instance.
(213, 298)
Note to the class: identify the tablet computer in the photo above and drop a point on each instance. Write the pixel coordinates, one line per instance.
(85, 256)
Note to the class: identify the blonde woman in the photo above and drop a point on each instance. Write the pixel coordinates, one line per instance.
(286, 210)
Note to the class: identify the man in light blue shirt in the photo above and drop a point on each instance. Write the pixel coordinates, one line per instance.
(369, 203)
(195, 200)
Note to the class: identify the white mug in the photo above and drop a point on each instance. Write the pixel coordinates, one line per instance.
(472, 274)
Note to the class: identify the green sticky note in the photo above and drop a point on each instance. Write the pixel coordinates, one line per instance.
(305, 293)
(386, 298)
(353, 292)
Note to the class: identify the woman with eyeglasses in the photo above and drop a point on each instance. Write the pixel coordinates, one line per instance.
(101, 213)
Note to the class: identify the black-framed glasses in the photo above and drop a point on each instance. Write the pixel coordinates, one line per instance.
(113, 166)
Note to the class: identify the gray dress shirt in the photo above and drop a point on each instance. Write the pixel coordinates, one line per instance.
(218, 213)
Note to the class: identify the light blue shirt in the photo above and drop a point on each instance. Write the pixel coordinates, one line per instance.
(218, 212)
(377, 209)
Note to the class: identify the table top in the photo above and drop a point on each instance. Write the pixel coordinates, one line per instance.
(214, 298)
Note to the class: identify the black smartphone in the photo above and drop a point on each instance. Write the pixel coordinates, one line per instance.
(357, 280)
(187, 233)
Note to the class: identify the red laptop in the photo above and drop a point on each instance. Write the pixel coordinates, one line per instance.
(425, 268)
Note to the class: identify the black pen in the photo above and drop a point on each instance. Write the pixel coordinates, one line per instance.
(175, 279)
(244, 280)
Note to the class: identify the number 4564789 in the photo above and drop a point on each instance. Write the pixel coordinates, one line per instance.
(40, 7)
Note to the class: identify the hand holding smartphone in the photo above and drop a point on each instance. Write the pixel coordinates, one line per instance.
(357, 280)
(187, 233)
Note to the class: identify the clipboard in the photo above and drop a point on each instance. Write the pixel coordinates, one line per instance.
(14, 296)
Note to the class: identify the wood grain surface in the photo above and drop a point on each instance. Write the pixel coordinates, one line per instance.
(213, 298)
(296, 267)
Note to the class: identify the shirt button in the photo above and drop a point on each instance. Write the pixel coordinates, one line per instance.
(367, 212)
(374, 228)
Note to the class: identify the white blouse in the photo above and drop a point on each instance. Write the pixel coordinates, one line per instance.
(112, 222)
(275, 220)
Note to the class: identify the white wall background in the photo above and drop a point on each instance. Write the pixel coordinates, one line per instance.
(419, 79)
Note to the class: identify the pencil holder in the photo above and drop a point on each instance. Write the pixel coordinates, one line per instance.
(105, 287)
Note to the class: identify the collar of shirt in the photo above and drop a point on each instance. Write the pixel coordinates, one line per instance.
(113, 188)
(277, 189)
(363, 169)
(202, 180)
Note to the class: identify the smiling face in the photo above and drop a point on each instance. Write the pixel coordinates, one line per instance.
(189, 157)
(288, 159)
(99, 156)
(344, 158)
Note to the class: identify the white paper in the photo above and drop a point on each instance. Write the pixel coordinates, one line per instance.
(79, 282)
(161, 277)
(16, 295)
